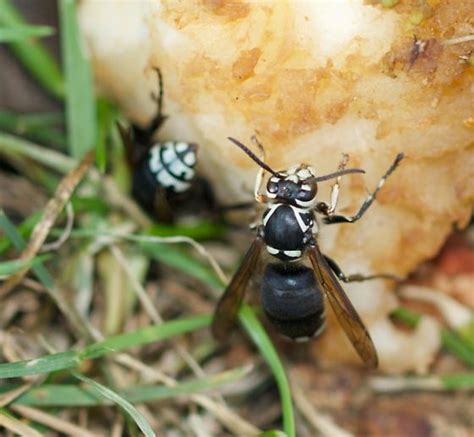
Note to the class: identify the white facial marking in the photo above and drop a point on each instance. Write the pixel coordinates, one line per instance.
(301, 339)
(304, 173)
(275, 179)
(293, 169)
(306, 187)
(271, 195)
(292, 178)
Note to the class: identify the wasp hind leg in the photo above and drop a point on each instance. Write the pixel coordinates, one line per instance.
(330, 218)
(357, 277)
(145, 136)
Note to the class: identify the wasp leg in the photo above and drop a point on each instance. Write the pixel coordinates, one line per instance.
(329, 219)
(145, 135)
(357, 277)
(335, 188)
(328, 209)
(158, 120)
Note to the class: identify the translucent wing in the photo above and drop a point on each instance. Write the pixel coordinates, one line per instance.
(228, 306)
(342, 306)
(134, 151)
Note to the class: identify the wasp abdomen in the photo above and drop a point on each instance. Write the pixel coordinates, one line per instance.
(292, 300)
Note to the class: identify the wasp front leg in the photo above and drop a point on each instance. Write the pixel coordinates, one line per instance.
(334, 218)
(324, 208)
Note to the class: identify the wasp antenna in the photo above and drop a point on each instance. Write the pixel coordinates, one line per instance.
(253, 156)
(338, 173)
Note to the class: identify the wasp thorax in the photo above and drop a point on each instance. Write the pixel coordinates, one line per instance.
(295, 186)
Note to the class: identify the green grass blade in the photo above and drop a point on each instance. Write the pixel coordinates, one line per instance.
(455, 343)
(12, 234)
(80, 103)
(198, 231)
(71, 359)
(41, 127)
(458, 381)
(46, 364)
(181, 260)
(106, 393)
(258, 335)
(23, 230)
(145, 335)
(254, 328)
(19, 33)
(13, 145)
(69, 395)
(106, 114)
(8, 268)
(31, 53)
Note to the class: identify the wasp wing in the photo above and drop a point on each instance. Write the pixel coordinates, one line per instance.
(127, 139)
(342, 306)
(228, 306)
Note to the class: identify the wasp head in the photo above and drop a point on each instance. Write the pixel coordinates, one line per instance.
(295, 186)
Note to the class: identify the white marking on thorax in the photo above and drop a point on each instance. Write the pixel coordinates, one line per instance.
(298, 211)
(292, 253)
(271, 210)
(272, 251)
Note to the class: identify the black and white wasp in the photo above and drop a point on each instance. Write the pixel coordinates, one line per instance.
(292, 294)
(163, 173)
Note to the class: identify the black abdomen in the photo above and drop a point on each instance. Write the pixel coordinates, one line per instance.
(292, 300)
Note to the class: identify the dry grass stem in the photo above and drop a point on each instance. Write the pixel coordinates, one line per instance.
(321, 423)
(51, 421)
(16, 426)
(51, 211)
(55, 245)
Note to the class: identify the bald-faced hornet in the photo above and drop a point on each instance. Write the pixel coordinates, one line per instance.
(291, 293)
(164, 181)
